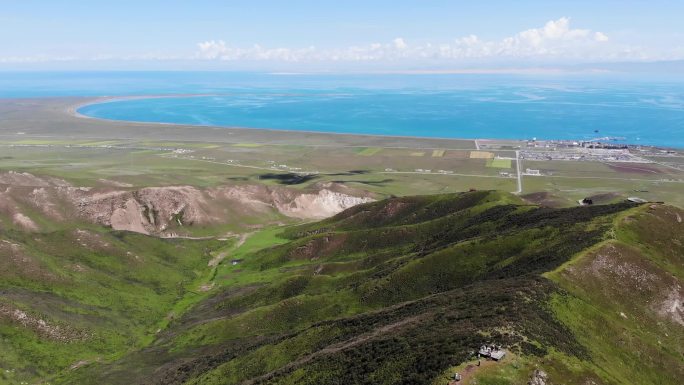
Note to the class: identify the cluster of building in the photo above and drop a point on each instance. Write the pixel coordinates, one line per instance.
(276, 166)
(610, 142)
(182, 151)
(491, 351)
(594, 155)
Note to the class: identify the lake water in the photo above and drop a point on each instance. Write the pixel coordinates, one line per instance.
(645, 110)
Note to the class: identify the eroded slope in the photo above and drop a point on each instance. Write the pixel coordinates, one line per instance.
(397, 291)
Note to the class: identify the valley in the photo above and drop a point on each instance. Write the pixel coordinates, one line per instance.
(350, 298)
(341, 193)
(143, 254)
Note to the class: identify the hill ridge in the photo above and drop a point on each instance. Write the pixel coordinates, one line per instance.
(403, 291)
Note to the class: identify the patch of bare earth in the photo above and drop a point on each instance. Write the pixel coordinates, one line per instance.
(540, 198)
(15, 261)
(129, 217)
(634, 168)
(24, 222)
(92, 241)
(322, 204)
(609, 262)
(242, 238)
(605, 198)
(42, 199)
(319, 247)
(393, 208)
(40, 326)
(167, 211)
(672, 306)
(468, 373)
(628, 279)
(13, 178)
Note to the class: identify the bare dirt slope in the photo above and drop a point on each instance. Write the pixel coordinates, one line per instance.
(164, 211)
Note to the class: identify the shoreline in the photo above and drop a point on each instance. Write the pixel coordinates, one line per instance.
(73, 111)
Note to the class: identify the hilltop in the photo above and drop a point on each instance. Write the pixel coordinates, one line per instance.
(404, 291)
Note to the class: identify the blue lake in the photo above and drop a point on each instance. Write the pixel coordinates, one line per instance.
(642, 110)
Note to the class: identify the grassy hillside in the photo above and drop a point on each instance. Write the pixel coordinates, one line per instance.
(85, 294)
(403, 291)
(625, 300)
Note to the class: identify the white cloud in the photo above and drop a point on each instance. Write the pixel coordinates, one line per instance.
(399, 43)
(600, 36)
(556, 39)
(214, 49)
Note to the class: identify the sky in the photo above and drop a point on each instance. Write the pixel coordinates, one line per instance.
(335, 35)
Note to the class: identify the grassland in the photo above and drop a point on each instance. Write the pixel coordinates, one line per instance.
(398, 291)
(608, 301)
(86, 151)
(499, 163)
(389, 172)
(401, 291)
(369, 151)
(88, 295)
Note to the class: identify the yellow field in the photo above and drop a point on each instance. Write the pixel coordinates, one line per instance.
(438, 153)
(457, 154)
(481, 155)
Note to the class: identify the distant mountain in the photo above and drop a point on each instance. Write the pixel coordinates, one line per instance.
(405, 291)
(653, 67)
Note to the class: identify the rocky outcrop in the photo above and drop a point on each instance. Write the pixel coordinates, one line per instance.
(13, 178)
(167, 211)
(322, 204)
(672, 305)
(24, 222)
(156, 210)
(539, 377)
(129, 217)
(40, 326)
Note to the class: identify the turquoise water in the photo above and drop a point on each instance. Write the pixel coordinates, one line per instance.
(647, 110)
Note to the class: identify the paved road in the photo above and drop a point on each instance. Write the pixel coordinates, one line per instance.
(517, 166)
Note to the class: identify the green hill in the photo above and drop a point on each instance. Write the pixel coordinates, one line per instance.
(400, 291)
